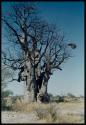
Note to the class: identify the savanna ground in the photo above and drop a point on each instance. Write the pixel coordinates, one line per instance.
(63, 112)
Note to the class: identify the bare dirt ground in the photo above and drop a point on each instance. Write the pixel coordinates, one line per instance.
(66, 113)
(17, 117)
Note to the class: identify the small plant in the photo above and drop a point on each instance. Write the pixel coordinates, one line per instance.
(49, 113)
(52, 113)
(6, 103)
(61, 99)
(41, 113)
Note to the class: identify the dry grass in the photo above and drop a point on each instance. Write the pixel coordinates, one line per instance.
(53, 112)
(43, 111)
(49, 113)
(27, 107)
(70, 119)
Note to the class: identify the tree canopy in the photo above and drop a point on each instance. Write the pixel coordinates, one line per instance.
(33, 43)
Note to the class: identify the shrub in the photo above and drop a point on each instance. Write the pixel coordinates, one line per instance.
(6, 103)
(49, 113)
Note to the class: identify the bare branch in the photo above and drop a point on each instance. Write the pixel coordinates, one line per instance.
(15, 32)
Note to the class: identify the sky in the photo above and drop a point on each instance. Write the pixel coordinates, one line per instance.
(69, 16)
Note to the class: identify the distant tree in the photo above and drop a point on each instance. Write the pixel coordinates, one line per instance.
(71, 95)
(81, 96)
(4, 92)
(5, 75)
(38, 48)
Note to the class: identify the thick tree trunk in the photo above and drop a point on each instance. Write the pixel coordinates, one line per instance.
(43, 95)
(32, 94)
(33, 91)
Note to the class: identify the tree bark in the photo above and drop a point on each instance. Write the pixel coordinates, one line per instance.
(31, 86)
(34, 93)
(30, 93)
(43, 95)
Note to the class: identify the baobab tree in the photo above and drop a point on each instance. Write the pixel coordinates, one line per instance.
(39, 48)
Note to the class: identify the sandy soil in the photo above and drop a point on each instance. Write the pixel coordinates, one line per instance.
(17, 117)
